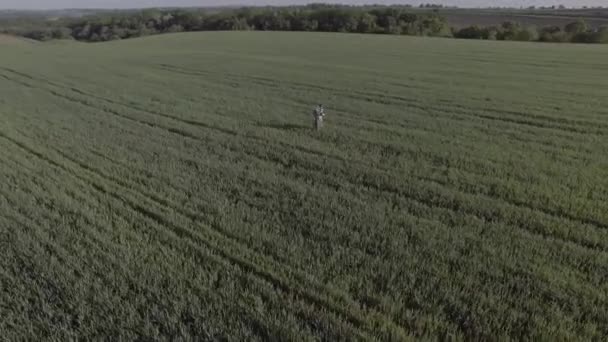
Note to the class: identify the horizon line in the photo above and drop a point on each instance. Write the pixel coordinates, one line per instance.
(287, 6)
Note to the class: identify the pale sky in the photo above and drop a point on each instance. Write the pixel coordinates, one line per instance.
(54, 4)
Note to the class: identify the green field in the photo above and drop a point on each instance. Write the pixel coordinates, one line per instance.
(172, 187)
(463, 17)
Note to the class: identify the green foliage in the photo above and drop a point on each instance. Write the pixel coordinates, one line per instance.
(576, 27)
(576, 32)
(508, 31)
(527, 34)
(601, 35)
(492, 33)
(471, 32)
(399, 20)
(553, 34)
(367, 23)
(328, 18)
(171, 188)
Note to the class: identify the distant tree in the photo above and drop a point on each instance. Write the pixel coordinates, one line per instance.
(103, 33)
(189, 20)
(346, 22)
(526, 34)
(387, 21)
(492, 33)
(142, 30)
(471, 32)
(94, 37)
(118, 33)
(552, 34)
(233, 24)
(598, 36)
(82, 32)
(43, 34)
(315, 17)
(61, 33)
(510, 31)
(578, 32)
(175, 28)
(367, 23)
(579, 26)
(601, 36)
(302, 22)
(434, 26)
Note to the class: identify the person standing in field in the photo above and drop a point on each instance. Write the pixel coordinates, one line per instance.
(318, 114)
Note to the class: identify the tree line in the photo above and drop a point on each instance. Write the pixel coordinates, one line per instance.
(317, 17)
(575, 32)
(325, 18)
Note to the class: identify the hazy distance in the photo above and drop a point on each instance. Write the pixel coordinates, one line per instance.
(58, 4)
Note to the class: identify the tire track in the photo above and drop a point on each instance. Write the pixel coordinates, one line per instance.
(101, 242)
(597, 224)
(254, 151)
(147, 111)
(231, 132)
(272, 82)
(547, 147)
(426, 204)
(159, 218)
(92, 268)
(390, 99)
(443, 185)
(351, 313)
(433, 205)
(348, 117)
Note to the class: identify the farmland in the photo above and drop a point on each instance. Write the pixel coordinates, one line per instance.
(171, 186)
(538, 17)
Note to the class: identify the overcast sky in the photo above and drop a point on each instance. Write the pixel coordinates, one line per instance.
(46, 4)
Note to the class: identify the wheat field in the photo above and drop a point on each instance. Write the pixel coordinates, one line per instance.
(172, 187)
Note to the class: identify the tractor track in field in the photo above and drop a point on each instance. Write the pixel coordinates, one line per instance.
(148, 213)
(155, 217)
(190, 122)
(94, 242)
(566, 125)
(556, 215)
(67, 258)
(569, 126)
(575, 241)
(97, 241)
(90, 239)
(447, 197)
(433, 204)
(451, 115)
(262, 140)
(542, 230)
(358, 318)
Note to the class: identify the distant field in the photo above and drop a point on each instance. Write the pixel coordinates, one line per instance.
(540, 18)
(172, 187)
(460, 20)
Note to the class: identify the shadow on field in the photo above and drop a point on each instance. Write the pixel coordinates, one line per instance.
(285, 126)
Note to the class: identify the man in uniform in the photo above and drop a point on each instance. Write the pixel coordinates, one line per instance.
(318, 114)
